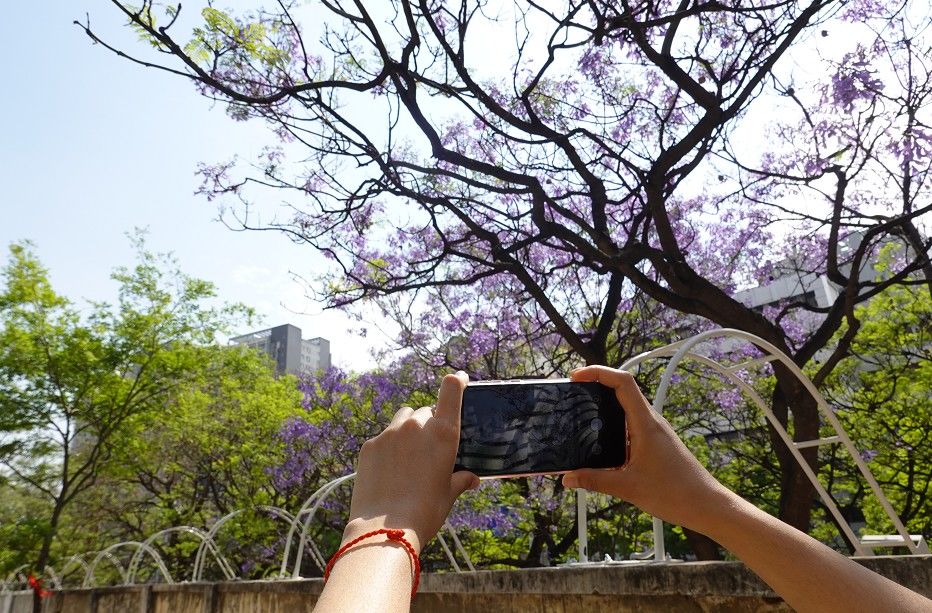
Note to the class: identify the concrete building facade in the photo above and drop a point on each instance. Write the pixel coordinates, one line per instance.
(790, 282)
(292, 354)
(315, 354)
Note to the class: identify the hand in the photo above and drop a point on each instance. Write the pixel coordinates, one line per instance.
(405, 475)
(661, 477)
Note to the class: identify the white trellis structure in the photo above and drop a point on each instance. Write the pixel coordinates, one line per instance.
(686, 350)
(300, 523)
(309, 509)
(208, 544)
(299, 528)
(107, 553)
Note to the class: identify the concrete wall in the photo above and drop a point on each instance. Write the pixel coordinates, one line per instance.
(680, 587)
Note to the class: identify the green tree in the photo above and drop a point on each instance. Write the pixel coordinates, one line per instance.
(22, 527)
(882, 395)
(209, 450)
(71, 379)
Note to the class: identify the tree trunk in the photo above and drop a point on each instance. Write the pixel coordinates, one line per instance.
(796, 491)
(703, 547)
(45, 551)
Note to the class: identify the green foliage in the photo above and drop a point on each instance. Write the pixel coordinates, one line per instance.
(22, 528)
(222, 35)
(72, 380)
(207, 451)
(146, 20)
(882, 392)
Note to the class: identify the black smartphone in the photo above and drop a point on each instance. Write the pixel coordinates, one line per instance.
(545, 426)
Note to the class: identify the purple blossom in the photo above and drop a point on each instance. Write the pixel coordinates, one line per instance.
(730, 400)
(343, 411)
(854, 81)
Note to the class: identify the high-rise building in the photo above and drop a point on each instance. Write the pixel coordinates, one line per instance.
(315, 354)
(292, 354)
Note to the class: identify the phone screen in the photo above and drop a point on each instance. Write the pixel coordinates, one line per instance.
(535, 427)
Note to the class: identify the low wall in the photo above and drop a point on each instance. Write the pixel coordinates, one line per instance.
(674, 586)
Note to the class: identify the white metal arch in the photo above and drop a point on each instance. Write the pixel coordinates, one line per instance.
(208, 541)
(108, 553)
(15, 576)
(313, 503)
(681, 350)
(79, 558)
(53, 578)
(309, 508)
(197, 532)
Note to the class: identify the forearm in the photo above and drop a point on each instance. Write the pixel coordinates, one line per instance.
(807, 574)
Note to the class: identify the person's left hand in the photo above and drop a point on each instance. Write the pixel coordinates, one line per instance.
(405, 477)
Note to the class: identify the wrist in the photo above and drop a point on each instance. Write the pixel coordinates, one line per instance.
(359, 526)
(355, 555)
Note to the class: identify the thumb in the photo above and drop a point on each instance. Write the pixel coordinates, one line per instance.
(461, 481)
(590, 479)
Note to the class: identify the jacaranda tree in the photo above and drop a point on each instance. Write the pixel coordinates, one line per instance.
(556, 159)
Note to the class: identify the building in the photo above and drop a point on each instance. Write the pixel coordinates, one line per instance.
(315, 354)
(292, 354)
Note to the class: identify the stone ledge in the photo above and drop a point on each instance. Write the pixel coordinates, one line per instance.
(672, 586)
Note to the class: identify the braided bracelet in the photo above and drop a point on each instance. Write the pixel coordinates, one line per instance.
(397, 536)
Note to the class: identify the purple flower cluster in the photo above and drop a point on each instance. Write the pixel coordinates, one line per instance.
(486, 509)
(855, 81)
(500, 520)
(342, 411)
(300, 437)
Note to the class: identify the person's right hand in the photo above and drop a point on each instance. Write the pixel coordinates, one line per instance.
(405, 477)
(661, 476)
(664, 479)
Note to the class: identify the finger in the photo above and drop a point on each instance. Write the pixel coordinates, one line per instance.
(596, 480)
(450, 397)
(461, 481)
(423, 415)
(400, 416)
(626, 389)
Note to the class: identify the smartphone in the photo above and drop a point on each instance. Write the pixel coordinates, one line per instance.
(537, 427)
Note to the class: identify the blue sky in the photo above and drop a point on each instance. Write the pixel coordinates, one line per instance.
(93, 146)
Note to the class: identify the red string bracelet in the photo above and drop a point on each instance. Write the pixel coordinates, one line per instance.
(397, 536)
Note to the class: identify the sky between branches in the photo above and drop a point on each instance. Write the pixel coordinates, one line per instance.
(94, 146)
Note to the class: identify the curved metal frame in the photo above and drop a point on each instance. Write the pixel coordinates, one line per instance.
(78, 557)
(89, 577)
(200, 534)
(201, 558)
(15, 576)
(310, 507)
(683, 349)
(53, 578)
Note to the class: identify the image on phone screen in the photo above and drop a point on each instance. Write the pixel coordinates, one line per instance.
(535, 427)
